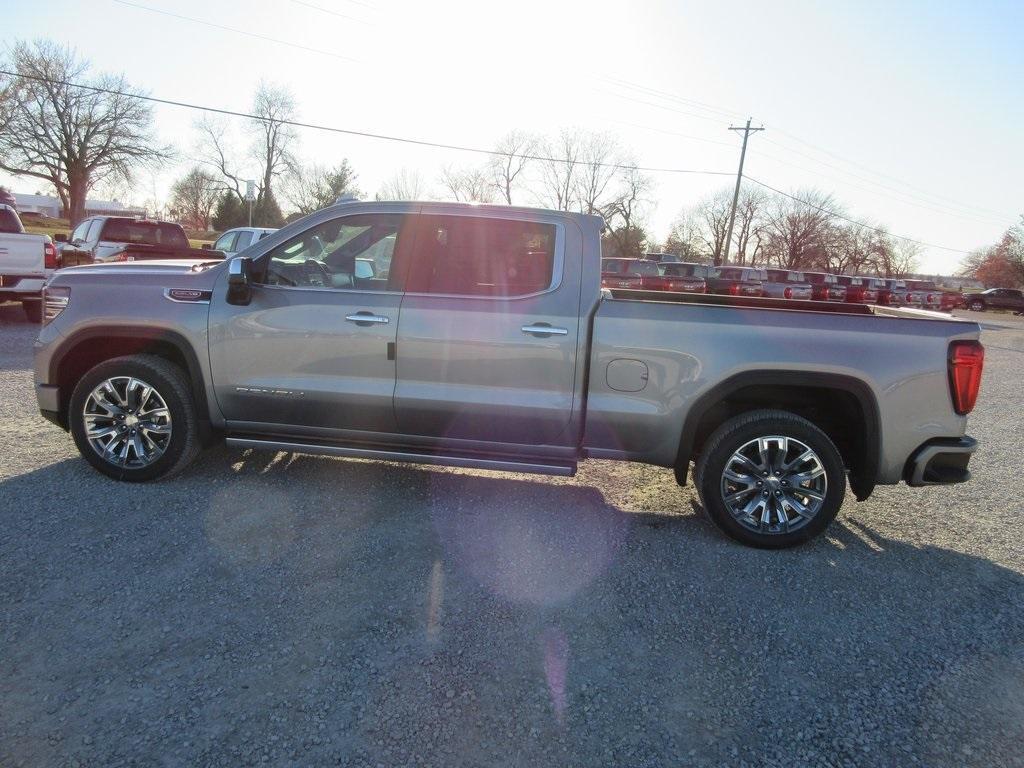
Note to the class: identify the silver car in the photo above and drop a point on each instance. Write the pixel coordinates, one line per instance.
(786, 284)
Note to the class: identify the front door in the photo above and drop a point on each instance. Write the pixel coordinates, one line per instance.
(314, 349)
(487, 337)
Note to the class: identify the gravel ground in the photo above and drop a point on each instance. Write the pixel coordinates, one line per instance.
(295, 610)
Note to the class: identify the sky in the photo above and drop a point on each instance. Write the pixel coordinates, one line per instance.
(909, 112)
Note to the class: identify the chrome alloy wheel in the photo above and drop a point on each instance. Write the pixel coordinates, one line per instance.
(774, 484)
(127, 422)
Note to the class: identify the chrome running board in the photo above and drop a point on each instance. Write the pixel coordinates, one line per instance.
(377, 454)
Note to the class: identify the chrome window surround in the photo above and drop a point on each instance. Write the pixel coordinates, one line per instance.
(557, 268)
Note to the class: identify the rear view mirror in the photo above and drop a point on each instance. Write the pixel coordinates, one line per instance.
(239, 286)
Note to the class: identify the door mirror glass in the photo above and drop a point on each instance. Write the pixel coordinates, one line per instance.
(239, 285)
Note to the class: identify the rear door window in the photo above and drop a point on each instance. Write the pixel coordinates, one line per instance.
(144, 233)
(477, 256)
(244, 240)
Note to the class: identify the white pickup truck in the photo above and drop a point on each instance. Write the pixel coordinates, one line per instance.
(26, 260)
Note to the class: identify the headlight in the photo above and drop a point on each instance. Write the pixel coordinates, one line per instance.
(54, 302)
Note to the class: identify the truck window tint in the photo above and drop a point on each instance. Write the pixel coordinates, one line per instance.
(144, 233)
(9, 222)
(226, 242)
(92, 235)
(78, 236)
(473, 256)
(352, 252)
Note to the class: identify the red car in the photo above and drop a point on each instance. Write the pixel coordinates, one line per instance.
(861, 290)
(825, 287)
(646, 275)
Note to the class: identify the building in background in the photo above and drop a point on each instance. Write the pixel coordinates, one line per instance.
(46, 205)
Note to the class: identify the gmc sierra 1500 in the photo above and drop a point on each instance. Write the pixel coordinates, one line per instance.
(483, 339)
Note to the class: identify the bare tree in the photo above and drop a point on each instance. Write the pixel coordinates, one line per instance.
(684, 238)
(625, 211)
(712, 218)
(747, 231)
(514, 153)
(599, 157)
(314, 187)
(904, 260)
(193, 197)
(405, 185)
(270, 154)
(560, 170)
(468, 185)
(798, 231)
(72, 138)
(274, 137)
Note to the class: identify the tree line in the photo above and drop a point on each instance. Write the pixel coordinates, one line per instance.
(75, 139)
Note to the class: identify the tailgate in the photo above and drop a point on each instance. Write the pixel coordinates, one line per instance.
(22, 254)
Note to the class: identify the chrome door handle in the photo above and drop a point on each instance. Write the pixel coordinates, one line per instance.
(541, 329)
(368, 318)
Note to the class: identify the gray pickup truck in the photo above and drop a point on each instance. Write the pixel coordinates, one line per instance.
(482, 338)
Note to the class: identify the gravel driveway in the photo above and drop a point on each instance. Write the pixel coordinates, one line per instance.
(294, 610)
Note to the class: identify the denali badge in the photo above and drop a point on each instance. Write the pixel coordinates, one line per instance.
(262, 391)
(188, 295)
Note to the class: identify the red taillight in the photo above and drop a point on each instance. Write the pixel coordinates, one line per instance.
(788, 293)
(966, 359)
(734, 289)
(50, 256)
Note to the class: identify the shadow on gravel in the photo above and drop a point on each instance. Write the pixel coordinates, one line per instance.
(313, 610)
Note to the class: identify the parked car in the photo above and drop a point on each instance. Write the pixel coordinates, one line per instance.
(860, 290)
(995, 298)
(825, 287)
(491, 346)
(646, 275)
(950, 300)
(786, 284)
(676, 278)
(26, 261)
(929, 293)
(892, 293)
(121, 238)
(726, 280)
(240, 238)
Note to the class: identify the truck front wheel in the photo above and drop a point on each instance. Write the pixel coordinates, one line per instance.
(134, 418)
(977, 305)
(770, 479)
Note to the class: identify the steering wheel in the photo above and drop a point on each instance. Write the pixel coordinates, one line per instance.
(317, 271)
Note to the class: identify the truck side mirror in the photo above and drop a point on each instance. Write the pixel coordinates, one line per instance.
(60, 237)
(239, 285)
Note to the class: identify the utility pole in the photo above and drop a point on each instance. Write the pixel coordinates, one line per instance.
(739, 177)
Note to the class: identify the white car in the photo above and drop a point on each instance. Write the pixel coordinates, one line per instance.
(26, 261)
(240, 238)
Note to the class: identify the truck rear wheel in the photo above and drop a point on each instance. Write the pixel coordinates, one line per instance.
(977, 305)
(134, 419)
(770, 479)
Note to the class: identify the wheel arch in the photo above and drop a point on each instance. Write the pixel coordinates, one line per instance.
(89, 347)
(833, 402)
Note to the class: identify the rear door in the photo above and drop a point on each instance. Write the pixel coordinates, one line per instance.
(487, 338)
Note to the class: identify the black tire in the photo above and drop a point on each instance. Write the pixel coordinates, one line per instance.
(173, 387)
(739, 431)
(977, 305)
(33, 310)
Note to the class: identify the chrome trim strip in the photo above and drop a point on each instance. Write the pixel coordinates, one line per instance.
(497, 465)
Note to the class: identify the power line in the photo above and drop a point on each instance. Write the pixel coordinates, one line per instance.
(847, 219)
(458, 147)
(747, 130)
(331, 12)
(363, 134)
(235, 30)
